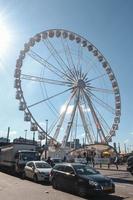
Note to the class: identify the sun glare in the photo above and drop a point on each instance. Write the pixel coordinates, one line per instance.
(69, 109)
(4, 39)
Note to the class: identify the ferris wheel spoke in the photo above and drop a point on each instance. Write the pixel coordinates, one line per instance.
(48, 65)
(72, 73)
(102, 103)
(62, 116)
(51, 97)
(45, 94)
(95, 118)
(54, 53)
(53, 125)
(104, 124)
(89, 67)
(49, 103)
(45, 80)
(98, 77)
(105, 105)
(88, 135)
(70, 123)
(87, 111)
(71, 62)
(103, 121)
(80, 54)
(58, 58)
(102, 90)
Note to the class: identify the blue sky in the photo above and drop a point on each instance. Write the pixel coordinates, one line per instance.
(107, 24)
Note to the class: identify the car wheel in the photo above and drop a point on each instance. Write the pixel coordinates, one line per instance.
(35, 178)
(81, 191)
(54, 184)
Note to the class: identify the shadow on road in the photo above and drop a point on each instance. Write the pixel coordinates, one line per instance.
(106, 197)
(120, 180)
(22, 178)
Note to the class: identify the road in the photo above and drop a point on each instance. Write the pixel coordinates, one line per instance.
(14, 188)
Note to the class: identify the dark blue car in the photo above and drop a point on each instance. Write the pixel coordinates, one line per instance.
(80, 179)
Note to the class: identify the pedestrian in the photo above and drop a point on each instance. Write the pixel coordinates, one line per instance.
(93, 161)
(49, 161)
(109, 161)
(116, 162)
(64, 159)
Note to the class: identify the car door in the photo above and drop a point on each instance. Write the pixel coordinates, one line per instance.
(59, 175)
(69, 178)
(29, 170)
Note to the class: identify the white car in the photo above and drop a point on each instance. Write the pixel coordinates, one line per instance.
(37, 170)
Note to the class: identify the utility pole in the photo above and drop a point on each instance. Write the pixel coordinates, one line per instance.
(8, 134)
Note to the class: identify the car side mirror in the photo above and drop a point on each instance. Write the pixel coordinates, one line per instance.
(33, 168)
(72, 173)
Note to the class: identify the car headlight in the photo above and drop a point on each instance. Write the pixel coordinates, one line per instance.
(111, 181)
(93, 183)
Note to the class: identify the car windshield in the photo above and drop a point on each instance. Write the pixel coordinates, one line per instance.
(42, 165)
(85, 170)
(28, 156)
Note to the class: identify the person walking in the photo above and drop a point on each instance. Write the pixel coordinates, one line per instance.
(49, 161)
(116, 162)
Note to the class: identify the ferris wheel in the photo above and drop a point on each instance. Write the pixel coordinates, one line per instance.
(62, 77)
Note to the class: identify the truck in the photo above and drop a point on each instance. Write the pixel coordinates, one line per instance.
(14, 156)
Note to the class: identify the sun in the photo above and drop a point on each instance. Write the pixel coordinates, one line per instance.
(5, 39)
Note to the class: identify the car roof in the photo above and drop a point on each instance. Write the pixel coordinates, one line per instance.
(69, 164)
(37, 161)
(29, 151)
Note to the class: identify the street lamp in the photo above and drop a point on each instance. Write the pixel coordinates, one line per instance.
(25, 134)
(46, 142)
(33, 137)
(125, 147)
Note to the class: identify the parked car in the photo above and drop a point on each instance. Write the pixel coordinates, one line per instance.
(130, 164)
(37, 170)
(80, 178)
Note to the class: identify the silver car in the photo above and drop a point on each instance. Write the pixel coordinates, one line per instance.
(37, 170)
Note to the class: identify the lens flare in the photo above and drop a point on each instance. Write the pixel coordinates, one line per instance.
(4, 39)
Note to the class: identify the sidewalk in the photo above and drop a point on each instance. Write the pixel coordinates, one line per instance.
(112, 167)
(119, 176)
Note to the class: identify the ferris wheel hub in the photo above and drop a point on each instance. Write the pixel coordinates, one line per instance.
(81, 84)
